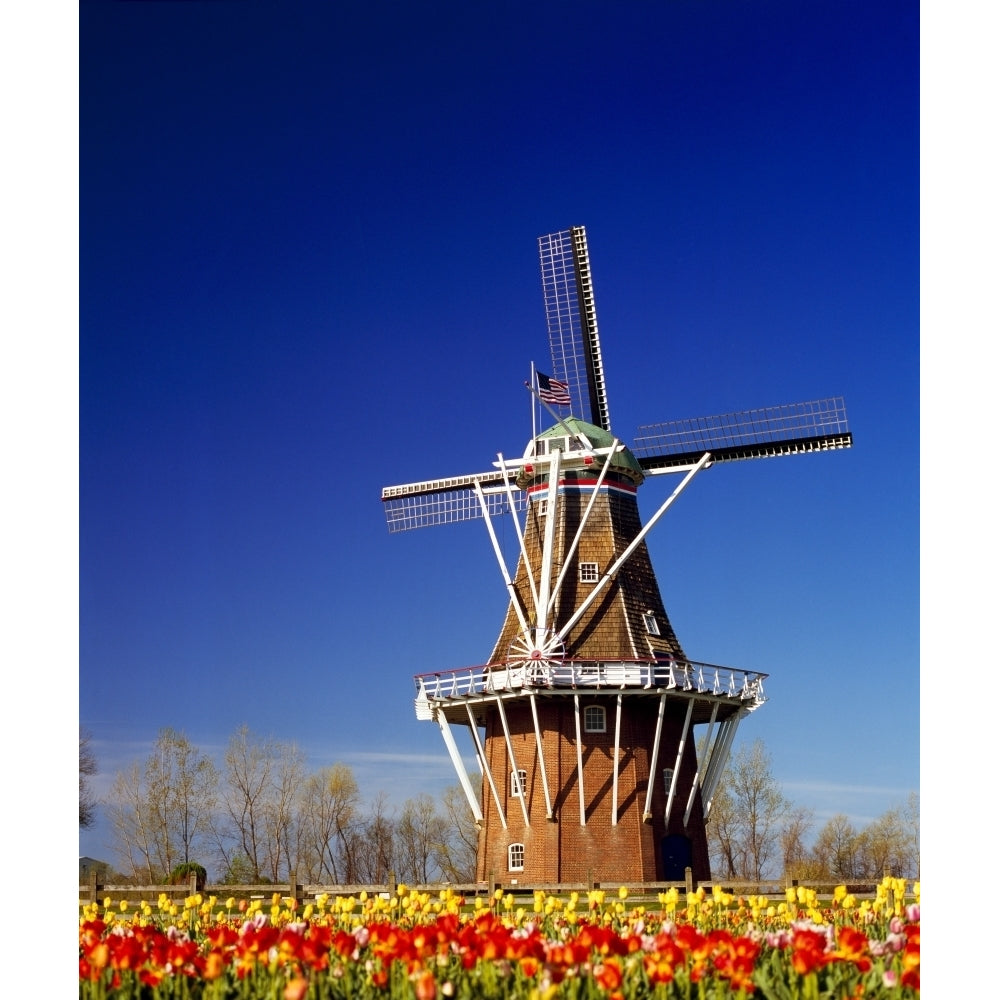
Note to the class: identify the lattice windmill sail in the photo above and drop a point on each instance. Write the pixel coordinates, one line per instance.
(583, 719)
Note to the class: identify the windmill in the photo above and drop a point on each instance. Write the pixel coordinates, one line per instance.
(583, 720)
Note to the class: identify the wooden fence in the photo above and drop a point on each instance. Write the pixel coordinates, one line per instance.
(95, 891)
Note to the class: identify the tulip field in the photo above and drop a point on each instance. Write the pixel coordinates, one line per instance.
(596, 945)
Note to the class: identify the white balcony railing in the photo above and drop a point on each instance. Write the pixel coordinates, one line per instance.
(700, 678)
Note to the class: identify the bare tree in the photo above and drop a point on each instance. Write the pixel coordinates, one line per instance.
(256, 831)
(745, 819)
(795, 826)
(420, 832)
(130, 826)
(456, 856)
(883, 845)
(373, 843)
(836, 848)
(911, 821)
(328, 808)
(280, 813)
(722, 828)
(88, 768)
(161, 811)
(241, 838)
(182, 785)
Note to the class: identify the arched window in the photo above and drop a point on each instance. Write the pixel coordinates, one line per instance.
(515, 857)
(515, 789)
(594, 720)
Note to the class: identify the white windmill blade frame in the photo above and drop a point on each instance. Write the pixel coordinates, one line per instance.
(450, 500)
(767, 431)
(571, 318)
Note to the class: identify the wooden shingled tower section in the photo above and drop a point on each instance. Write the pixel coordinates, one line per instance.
(597, 743)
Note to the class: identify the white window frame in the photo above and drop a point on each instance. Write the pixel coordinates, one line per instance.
(652, 627)
(591, 713)
(515, 854)
(513, 781)
(589, 572)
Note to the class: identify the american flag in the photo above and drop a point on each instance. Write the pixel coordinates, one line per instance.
(552, 391)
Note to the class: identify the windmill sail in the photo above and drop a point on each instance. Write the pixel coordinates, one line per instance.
(571, 317)
(790, 429)
(447, 501)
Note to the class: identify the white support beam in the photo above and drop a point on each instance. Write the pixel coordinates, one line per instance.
(715, 775)
(647, 813)
(610, 572)
(541, 758)
(519, 531)
(515, 599)
(715, 761)
(513, 763)
(579, 759)
(456, 759)
(677, 763)
(702, 765)
(614, 777)
(484, 765)
(544, 583)
(567, 561)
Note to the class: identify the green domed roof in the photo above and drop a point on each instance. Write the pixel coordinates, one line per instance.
(624, 460)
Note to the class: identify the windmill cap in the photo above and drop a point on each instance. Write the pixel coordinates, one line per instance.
(623, 461)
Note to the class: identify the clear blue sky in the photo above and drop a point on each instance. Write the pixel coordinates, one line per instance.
(308, 269)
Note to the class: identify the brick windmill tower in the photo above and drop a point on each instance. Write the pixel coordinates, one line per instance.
(599, 741)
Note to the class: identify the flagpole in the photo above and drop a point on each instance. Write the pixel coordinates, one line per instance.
(534, 412)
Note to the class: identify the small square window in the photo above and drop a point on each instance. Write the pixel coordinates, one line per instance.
(594, 720)
(651, 627)
(542, 507)
(588, 572)
(515, 776)
(515, 857)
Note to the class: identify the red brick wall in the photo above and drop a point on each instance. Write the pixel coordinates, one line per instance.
(561, 849)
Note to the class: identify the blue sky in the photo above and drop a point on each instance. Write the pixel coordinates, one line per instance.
(308, 269)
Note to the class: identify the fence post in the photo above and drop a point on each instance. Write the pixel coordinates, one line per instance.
(92, 885)
(293, 888)
(688, 879)
(192, 883)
